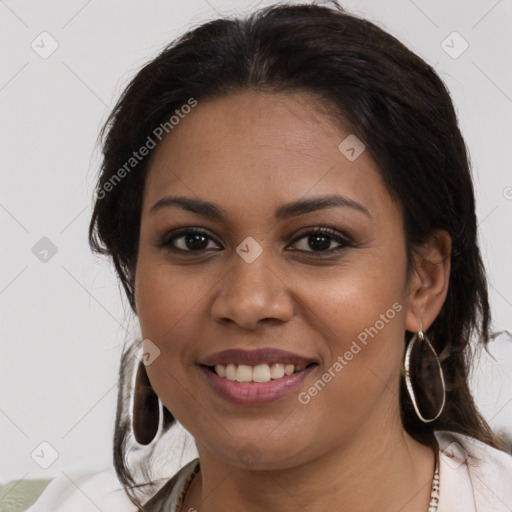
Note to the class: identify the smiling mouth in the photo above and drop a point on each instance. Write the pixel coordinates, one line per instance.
(256, 374)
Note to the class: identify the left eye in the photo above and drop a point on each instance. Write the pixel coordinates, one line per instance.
(321, 238)
(197, 240)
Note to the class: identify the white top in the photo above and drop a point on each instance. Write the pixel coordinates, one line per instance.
(480, 482)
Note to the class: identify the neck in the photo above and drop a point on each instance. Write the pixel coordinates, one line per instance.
(390, 472)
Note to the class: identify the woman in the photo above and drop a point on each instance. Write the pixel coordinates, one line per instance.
(288, 203)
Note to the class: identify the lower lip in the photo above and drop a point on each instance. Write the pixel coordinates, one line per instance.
(255, 393)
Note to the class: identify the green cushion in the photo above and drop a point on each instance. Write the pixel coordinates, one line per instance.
(18, 495)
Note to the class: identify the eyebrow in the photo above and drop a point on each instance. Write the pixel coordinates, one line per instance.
(285, 211)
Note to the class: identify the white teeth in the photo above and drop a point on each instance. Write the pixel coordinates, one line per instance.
(230, 371)
(243, 373)
(261, 373)
(258, 373)
(277, 371)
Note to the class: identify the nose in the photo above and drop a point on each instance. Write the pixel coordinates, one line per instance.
(252, 293)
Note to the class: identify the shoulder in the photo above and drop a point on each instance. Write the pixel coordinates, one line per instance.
(82, 490)
(477, 453)
(92, 489)
(484, 471)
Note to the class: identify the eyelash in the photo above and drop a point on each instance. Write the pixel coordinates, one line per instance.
(167, 240)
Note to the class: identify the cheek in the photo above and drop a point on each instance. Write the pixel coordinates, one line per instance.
(361, 312)
(165, 298)
(165, 302)
(361, 321)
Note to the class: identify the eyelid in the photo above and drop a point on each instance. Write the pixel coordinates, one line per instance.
(165, 240)
(323, 230)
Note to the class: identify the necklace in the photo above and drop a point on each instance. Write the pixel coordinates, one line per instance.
(434, 493)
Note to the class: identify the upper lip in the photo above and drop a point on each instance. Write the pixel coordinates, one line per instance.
(255, 357)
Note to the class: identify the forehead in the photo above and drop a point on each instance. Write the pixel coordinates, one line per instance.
(261, 147)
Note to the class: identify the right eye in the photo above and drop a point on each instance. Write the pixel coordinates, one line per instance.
(191, 240)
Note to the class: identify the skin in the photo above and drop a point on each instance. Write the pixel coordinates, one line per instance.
(249, 153)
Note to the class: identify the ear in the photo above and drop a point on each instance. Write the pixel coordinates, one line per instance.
(428, 282)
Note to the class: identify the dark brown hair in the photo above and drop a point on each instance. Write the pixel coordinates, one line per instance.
(388, 96)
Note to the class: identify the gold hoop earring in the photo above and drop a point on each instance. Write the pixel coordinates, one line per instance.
(419, 368)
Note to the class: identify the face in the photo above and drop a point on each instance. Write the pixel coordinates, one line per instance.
(252, 280)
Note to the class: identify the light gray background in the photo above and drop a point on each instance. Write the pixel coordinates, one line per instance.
(63, 322)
